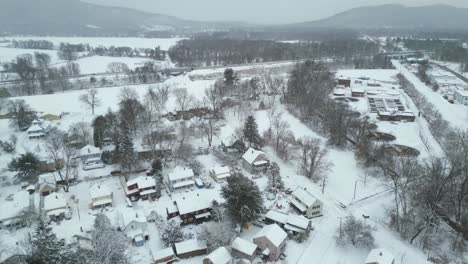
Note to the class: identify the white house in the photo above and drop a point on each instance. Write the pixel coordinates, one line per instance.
(220, 256)
(220, 173)
(134, 224)
(271, 241)
(243, 249)
(39, 128)
(89, 152)
(461, 96)
(101, 196)
(254, 161)
(306, 203)
(380, 256)
(181, 178)
(12, 209)
(55, 206)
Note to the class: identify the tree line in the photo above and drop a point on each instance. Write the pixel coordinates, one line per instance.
(205, 51)
(452, 51)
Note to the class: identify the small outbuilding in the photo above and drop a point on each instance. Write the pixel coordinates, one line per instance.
(220, 256)
(164, 255)
(220, 173)
(190, 248)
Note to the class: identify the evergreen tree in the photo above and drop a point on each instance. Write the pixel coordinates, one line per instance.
(46, 248)
(230, 78)
(275, 182)
(243, 199)
(251, 132)
(26, 166)
(99, 126)
(126, 153)
(108, 244)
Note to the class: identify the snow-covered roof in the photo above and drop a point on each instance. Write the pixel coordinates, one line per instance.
(288, 219)
(298, 221)
(39, 125)
(143, 182)
(180, 173)
(379, 256)
(128, 215)
(277, 216)
(54, 201)
(244, 246)
(99, 190)
(11, 207)
(220, 170)
(219, 256)
(463, 93)
(274, 233)
(357, 90)
(89, 150)
(304, 196)
(251, 155)
(190, 246)
(163, 253)
(192, 203)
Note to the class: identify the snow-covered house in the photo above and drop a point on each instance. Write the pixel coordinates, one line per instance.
(220, 173)
(143, 187)
(271, 242)
(134, 224)
(254, 161)
(289, 222)
(181, 178)
(461, 96)
(56, 206)
(190, 248)
(306, 203)
(89, 152)
(191, 209)
(220, 256)
(39, 128)
(243, 249)
(380, 256)
(46, 188)
(101, 196)
(163, 255)
(12, 210)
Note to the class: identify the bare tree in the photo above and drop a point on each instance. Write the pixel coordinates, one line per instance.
(355, 232)
(208, 128)
(184, 100)
(83, 131)
(90, 99)
(63, 155)
(313, 163)
(214, 99)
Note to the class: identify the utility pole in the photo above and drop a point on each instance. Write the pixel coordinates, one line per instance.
(355, 187)
(341, 220)
(323, 184)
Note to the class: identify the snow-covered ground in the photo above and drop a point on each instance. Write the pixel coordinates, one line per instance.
(455, 114)
(163, 43)
(347, 190)
(9, 54)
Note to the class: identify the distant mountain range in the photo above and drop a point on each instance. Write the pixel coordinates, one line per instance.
(68, 17)
(435, 17)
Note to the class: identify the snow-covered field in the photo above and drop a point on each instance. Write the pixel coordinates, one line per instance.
(346, 191)
(8, 54)
(163, 43)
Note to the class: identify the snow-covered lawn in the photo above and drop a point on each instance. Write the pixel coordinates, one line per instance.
(163, 43)
(9, 54)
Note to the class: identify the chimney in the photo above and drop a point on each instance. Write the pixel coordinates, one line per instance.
(380, 253)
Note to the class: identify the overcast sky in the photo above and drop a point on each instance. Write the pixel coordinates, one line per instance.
(259, 11)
